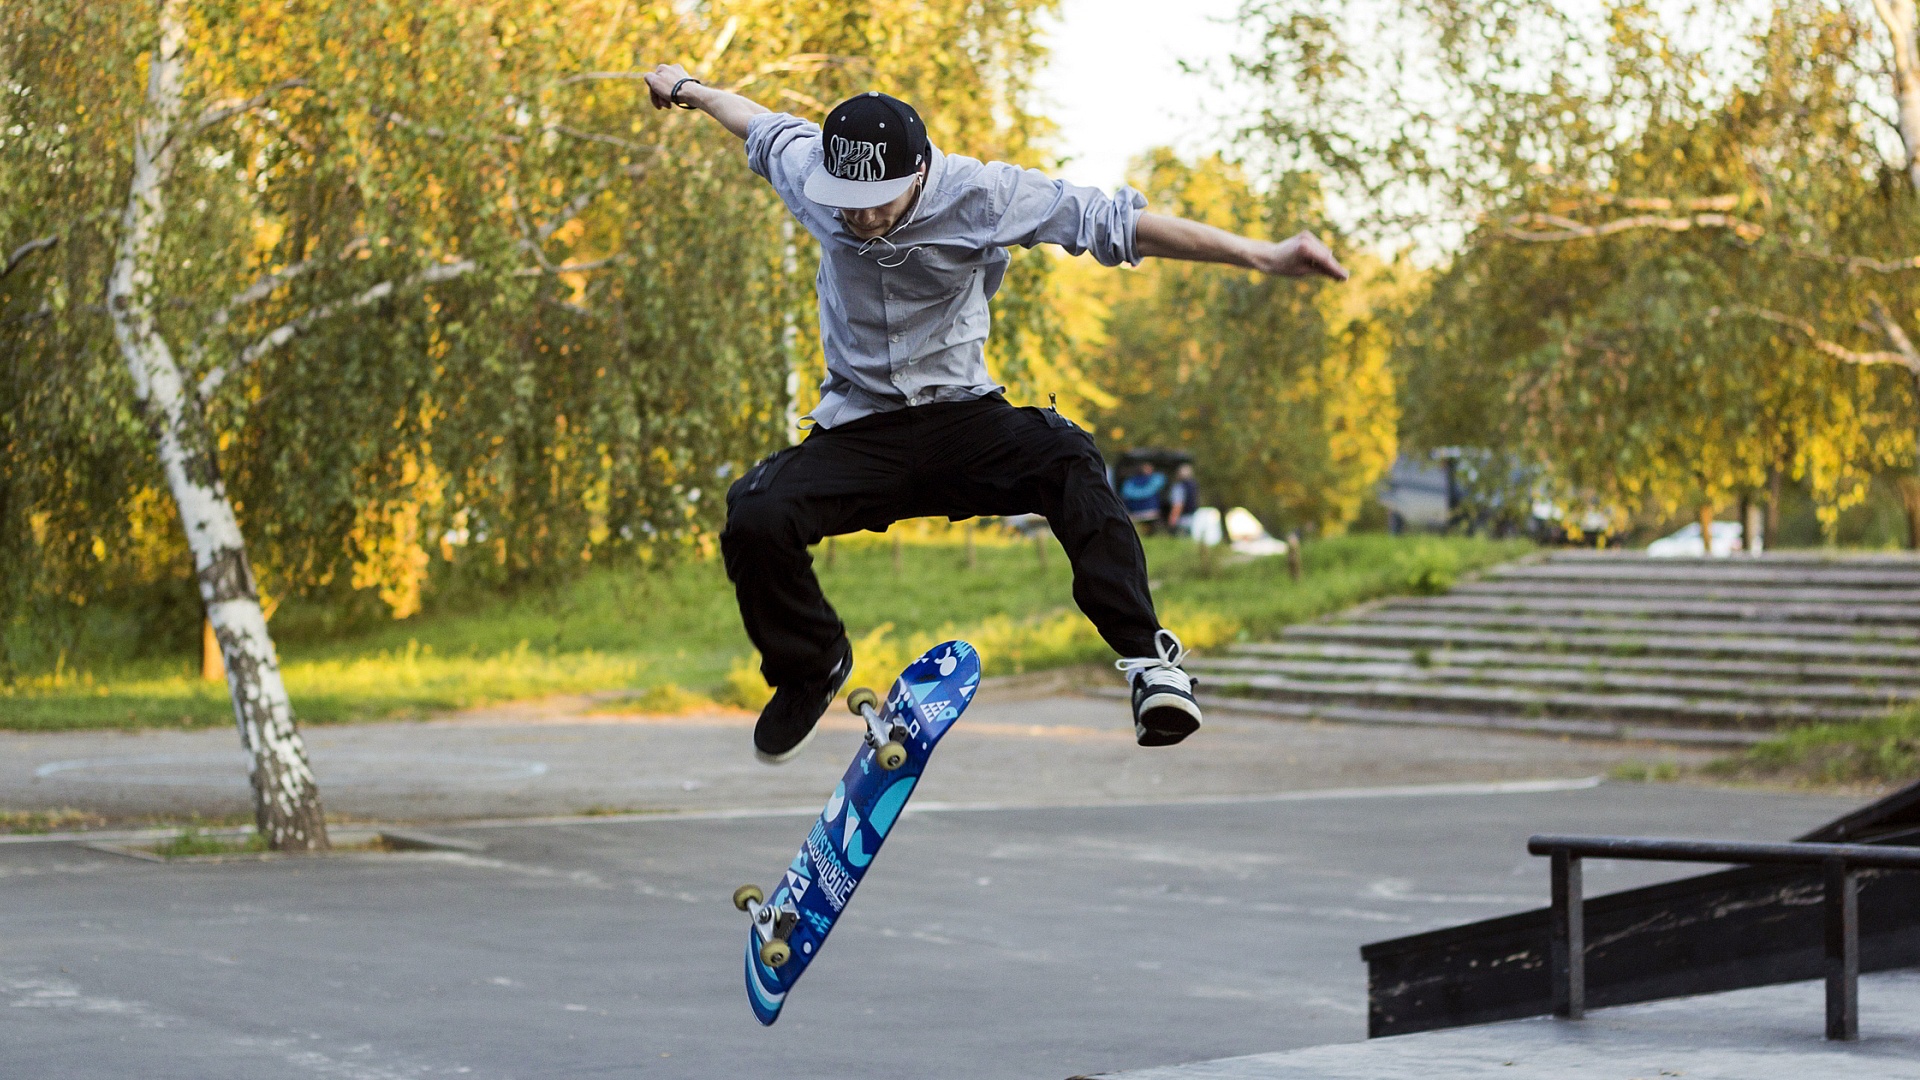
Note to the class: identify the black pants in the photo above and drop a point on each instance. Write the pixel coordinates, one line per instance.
(954, 459)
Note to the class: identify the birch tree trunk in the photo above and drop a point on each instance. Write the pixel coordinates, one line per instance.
(285, 798)
(1903, 23)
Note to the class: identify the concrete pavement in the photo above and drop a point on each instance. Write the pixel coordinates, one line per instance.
(1766, 1033)
(1036, 942)
(559, 757)
(1059, 902)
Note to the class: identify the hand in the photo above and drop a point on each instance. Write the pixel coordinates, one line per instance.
(1299, 255)
(660, 83)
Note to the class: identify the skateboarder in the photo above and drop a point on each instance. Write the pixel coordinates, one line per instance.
(912, 246)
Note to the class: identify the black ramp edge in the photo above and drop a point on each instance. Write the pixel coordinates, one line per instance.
(1726, 930)
(1898, 811)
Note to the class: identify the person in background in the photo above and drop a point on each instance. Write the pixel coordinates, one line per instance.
(1183, 498)
(1141, 494)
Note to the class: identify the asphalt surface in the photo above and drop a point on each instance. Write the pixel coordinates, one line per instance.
(561, 757)
(1041, 941)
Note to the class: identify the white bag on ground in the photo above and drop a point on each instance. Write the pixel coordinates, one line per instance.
(1248, 536)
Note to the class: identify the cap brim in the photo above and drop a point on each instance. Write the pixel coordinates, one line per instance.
(829, 190)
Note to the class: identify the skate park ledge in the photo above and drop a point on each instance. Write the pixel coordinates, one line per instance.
(1763, 1033)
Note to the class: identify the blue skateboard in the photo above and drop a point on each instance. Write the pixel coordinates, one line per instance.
(789, 929)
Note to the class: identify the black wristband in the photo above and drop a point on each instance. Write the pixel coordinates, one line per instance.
(673, 96)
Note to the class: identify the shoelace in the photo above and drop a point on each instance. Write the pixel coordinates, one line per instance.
(1163, 668)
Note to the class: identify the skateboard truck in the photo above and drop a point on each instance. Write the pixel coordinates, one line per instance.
(773, 924)
(889, 740)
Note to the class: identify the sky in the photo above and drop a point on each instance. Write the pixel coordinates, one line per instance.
(1115, 88)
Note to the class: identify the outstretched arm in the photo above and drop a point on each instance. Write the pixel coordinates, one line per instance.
(1042, 210)
(1162, 236)
(732, 110)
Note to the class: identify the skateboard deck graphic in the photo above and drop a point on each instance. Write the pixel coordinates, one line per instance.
(925, 701)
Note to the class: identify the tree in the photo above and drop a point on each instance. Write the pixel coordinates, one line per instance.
(1279, 389)
(1666, 250)
(320, 182)
(373, 291)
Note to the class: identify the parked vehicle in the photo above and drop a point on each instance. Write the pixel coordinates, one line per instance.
(1485, 492)
(1726, 539)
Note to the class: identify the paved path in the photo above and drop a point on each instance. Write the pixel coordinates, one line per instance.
(550, 759)
(1014, 943)
(1767, 1033)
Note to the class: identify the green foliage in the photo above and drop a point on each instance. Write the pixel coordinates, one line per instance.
(63, 819)
(1642, 772)
(1883, 751)
(1669, 231)
(620, 345)
(1877, 523)
(641, 630)
(1427, 567)
(191, 842)
(1281, 395)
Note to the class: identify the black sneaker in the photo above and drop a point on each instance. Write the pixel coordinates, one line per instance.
(1164, 711)
(788, 721)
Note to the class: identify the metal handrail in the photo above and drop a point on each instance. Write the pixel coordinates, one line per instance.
(1839, 864)
(1648, 849)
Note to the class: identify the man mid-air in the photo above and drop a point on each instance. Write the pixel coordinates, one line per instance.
(912, 247)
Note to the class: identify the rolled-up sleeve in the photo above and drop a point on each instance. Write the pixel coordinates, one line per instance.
(1033, 208)
(781, 147)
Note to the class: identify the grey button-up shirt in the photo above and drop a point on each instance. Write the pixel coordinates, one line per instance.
(903, 318)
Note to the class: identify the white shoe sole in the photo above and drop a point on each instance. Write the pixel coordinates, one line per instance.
(782, 759)
(1170, 733)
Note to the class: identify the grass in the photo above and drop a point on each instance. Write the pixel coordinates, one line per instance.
(68, 819)
(65, 819)
(670, 637)
(1867, 753)
(192, 842)
(1644, 772)
(1876, 753)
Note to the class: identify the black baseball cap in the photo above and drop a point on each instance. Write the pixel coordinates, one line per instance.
(873, 146)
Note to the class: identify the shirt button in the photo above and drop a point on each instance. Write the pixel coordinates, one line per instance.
(896, 338)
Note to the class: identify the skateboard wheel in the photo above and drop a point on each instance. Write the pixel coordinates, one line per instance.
(747, 894)
(891, 756)
(860, 697)
(775, 953)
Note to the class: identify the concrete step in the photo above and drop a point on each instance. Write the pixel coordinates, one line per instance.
(1639, 643)
(1584, 729)
(1686, 590)
(1783, 670)
(1903, 576)
(1408, 613)
(1592, 645)
(1666, 709)
(1597, 681)
(1585, 556)
(1670, 608)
